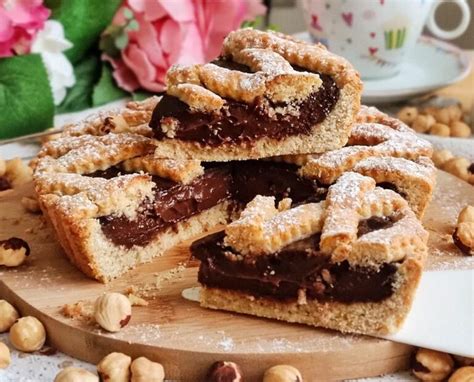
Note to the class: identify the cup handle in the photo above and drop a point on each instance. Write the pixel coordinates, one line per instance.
(449, 35)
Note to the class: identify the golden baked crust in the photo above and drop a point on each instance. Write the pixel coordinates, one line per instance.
(380, 147)
(74, 202)
(271, 57)
(262, 230)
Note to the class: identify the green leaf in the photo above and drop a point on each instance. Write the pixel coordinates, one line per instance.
(106, 90)
(140, 95)
(83, 21)
(79, 97)
(26, 102)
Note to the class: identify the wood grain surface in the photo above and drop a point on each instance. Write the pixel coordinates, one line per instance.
(185, 338)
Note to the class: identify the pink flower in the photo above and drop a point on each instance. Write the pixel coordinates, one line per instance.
(174, 32)
(20, 20)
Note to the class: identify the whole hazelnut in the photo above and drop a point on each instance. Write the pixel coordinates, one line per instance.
(460, 129)
(442, 115)
(114, 367)
(27, 334)
(75, 374)
(112, 311)
(464, 374)
(463, 361)
(463, 238)
(457, 166)
(8, 316)
(144, 370)
(455, 112)
(466, 214)
(282, 373)
(13, 251)
(407, 114)
(224, 371)
(423, 123)
(431, 365)
(5, 358)
(441, 156)
(30, 204)
(440, 129)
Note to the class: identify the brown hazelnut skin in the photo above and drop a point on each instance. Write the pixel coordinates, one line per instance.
(27, 334)
(431, 365)
(463, 361)
(464, 374)
(8, 316)
(407, 114)
(224, 371)
(282, 373)
(440, 129)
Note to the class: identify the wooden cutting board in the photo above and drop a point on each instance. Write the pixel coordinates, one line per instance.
(185, 338)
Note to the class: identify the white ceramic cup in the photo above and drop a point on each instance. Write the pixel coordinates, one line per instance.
(376, 35)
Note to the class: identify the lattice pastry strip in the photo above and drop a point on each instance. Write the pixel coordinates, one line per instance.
(367, 140)
(264, 229)
(87, 154)
(202, 86)
(296, 52)
(342, 217)
(183, 171)
(121, 195)
(133, 118)
(405, 236)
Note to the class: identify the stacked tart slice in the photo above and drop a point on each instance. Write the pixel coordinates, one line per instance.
(323, 197)
(350, 263)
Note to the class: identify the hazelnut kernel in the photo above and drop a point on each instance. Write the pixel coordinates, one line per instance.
(441, 156)
(75, 374)
(282, 373)
(466, 215)
(112, 311)
(457, 166)
(13, 251)
(5, 358)
(18, 172)
(422, 123)
(407, 114)
(28, 334)
(442, 115)
(115, 367)
(144, 370)
(440, 129)
(464, 374)
(8, 315)
(431, 365)
(460, 129)
(224, 371)
(455, 112)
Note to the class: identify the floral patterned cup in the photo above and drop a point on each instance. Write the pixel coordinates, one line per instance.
(376, 35)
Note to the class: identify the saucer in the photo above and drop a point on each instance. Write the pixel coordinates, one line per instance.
(432, 64)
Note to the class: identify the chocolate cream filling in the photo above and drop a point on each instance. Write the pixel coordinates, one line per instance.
(240, 122)
(238, 182)
(281, 275)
